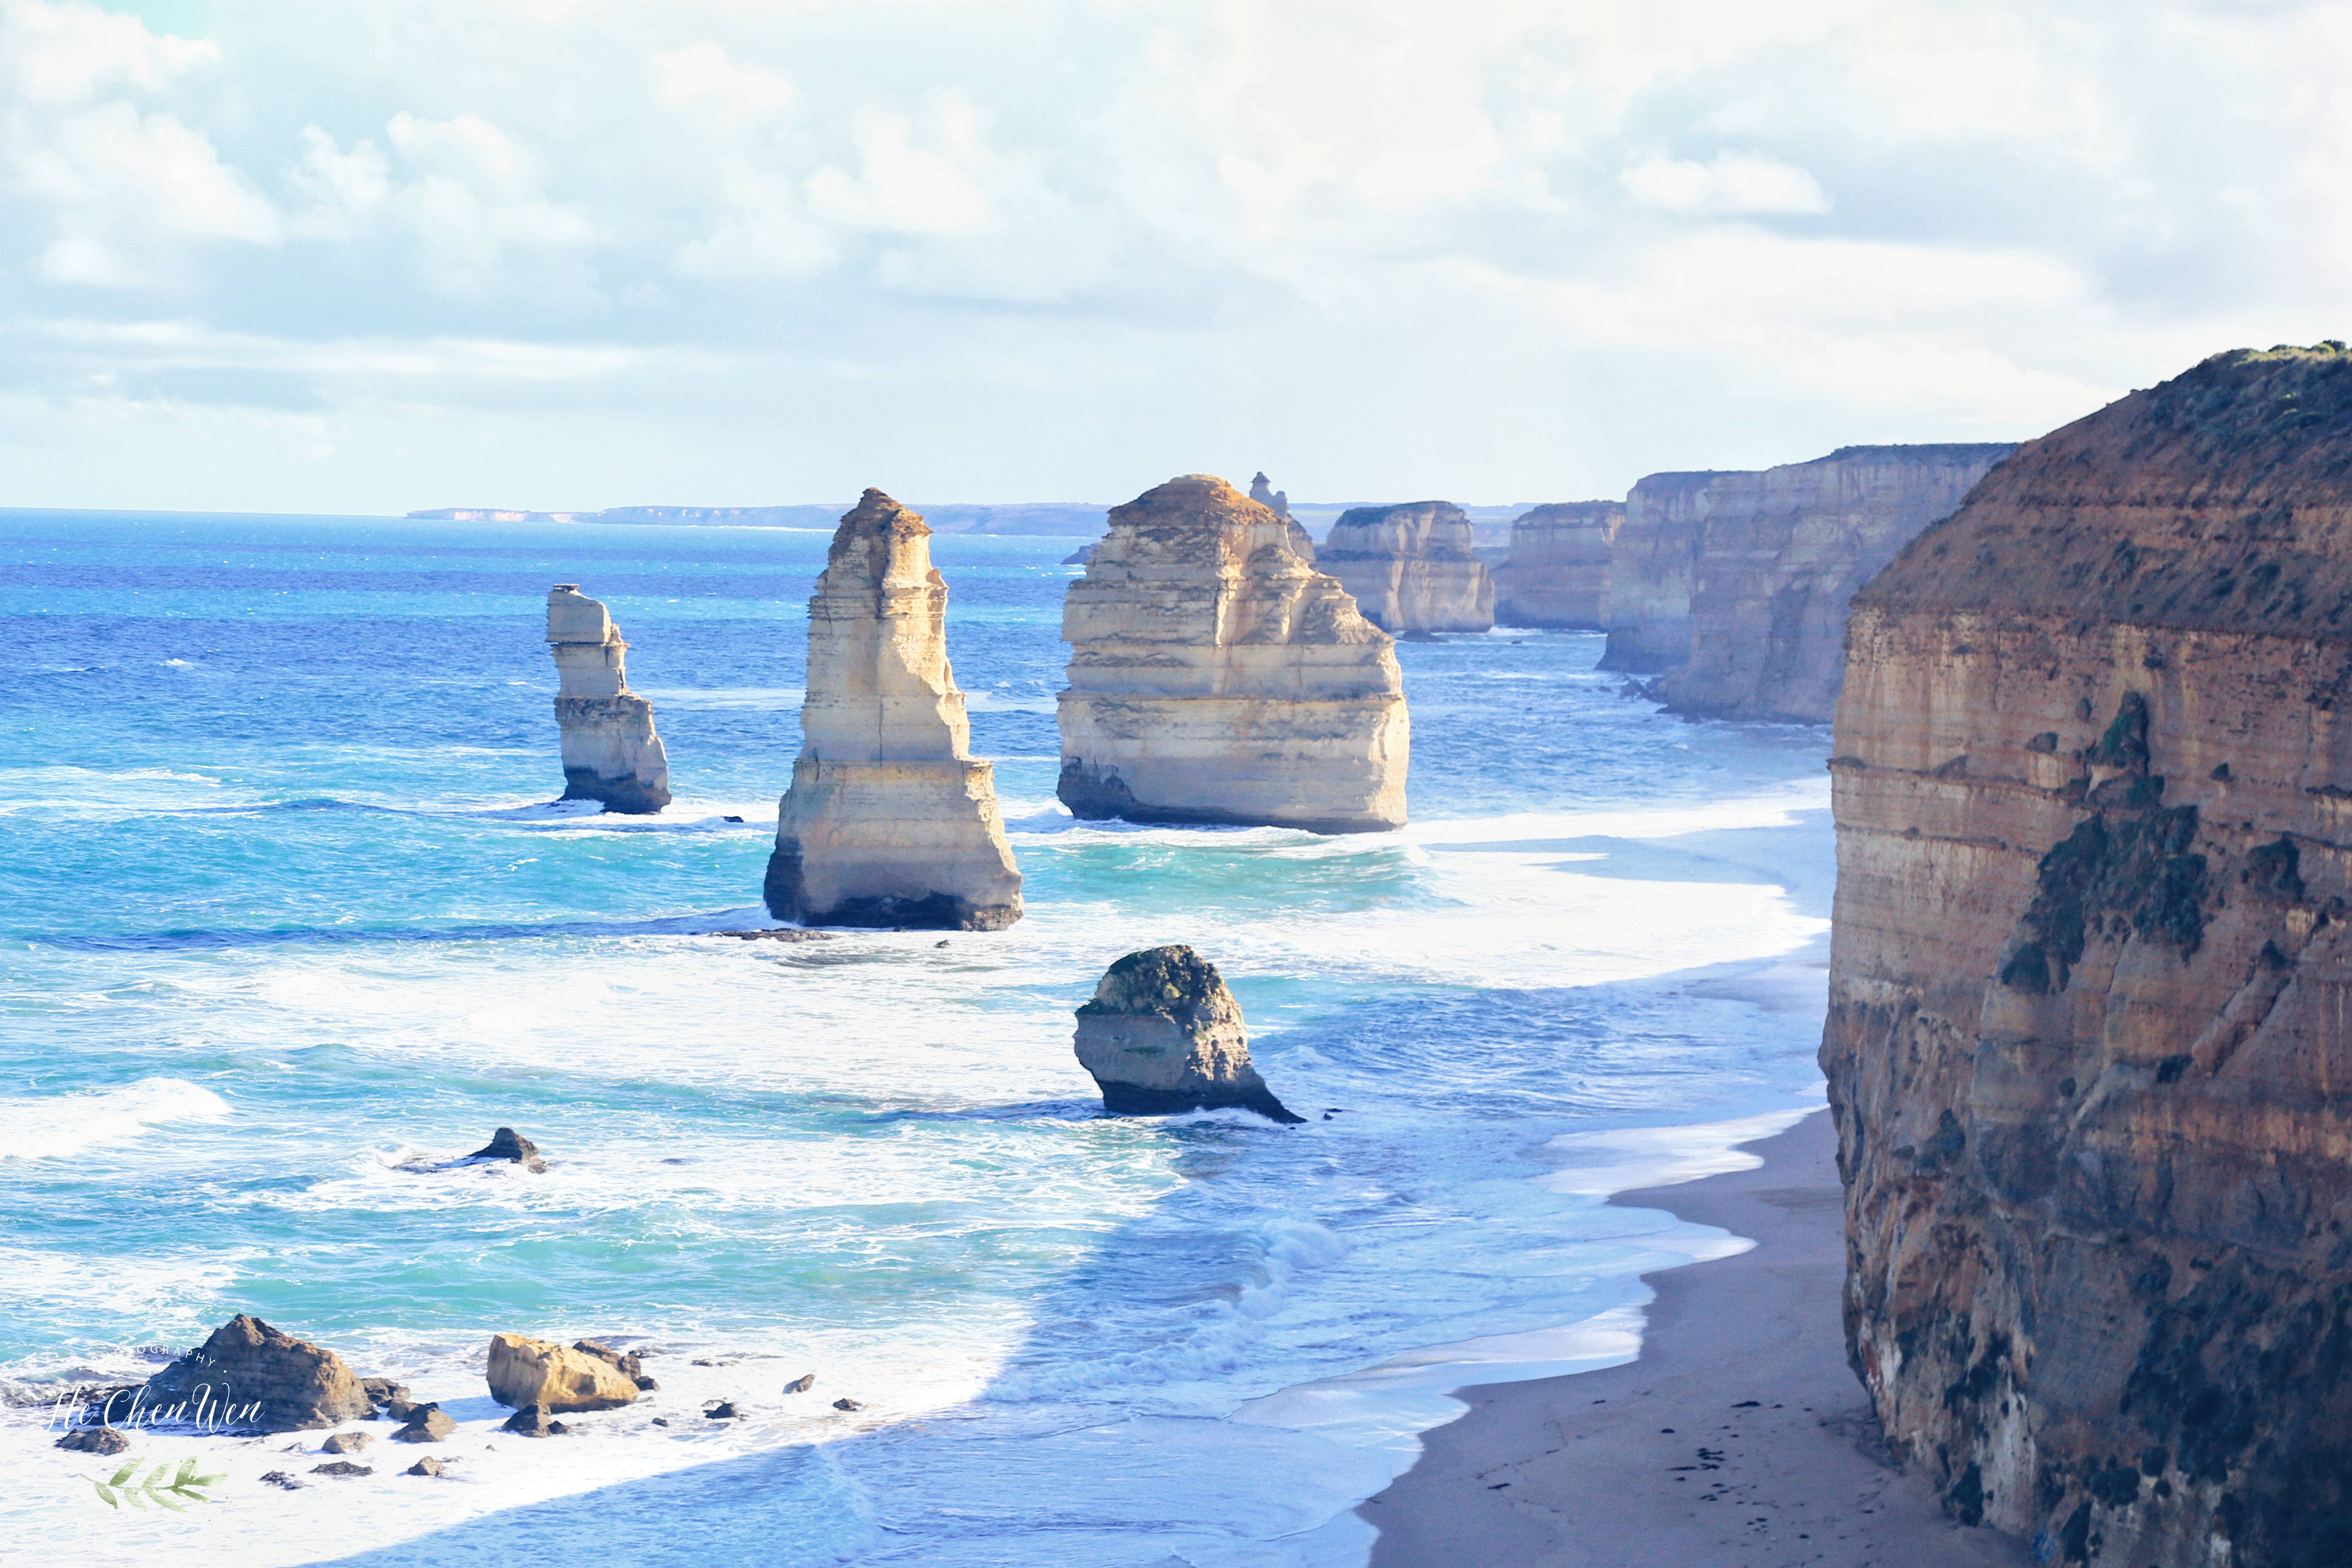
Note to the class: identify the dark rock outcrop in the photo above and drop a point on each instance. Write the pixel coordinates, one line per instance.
(1411, 568)
(94, 1440)
(427, 1466)
(346, 1443)
(2086, 1043)
(343, 1468)
(428, 1426)
(506, 1144)
(1557, 574)
(531, 1421)
(1163, 1035)
(250, 1376)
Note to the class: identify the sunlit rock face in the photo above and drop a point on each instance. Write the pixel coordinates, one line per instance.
(1411, 568)
(1557, 573)
(889, 821)
(609, 750)
(1263, 492)
(1652, 562)
(1217, 676)
(2087, 1043)
(1163, 1035)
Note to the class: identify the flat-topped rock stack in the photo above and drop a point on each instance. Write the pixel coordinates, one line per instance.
(1217, 676)
(1411, 568)
(890, 821)
(2086, 1043)
(1557, 571)
(609, 750)
(1163, 1035)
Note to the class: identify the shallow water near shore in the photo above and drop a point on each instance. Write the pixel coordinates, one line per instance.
(284, 909)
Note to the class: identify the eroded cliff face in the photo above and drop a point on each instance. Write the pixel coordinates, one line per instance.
(609, 750)
(1217, 676)
(1557, 573)
(1411, 568)
(2089, 1043)
(1650, 564)
(890, 822)
(1779, 557)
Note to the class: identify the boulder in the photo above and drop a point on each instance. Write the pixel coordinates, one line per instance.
(1163, 1035)
(531, 1421)
(1217, 676)
(524, 1372)
(890, 821)
(384, 1390)
(251, 1375)
(94, 1440)
(433, 1426)
(802, 1383)
(848, 1405)
(609, 750)
(342, 1468)
(348, 1442)
(427, 1466)
(506, 1144)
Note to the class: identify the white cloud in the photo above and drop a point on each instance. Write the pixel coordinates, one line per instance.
(1733, 184)
(67, 53)
(704, 74)
(121, 185)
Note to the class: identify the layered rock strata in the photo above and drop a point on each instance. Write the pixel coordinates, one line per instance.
(249, 1375)
(609, 750)
(1411, 568)
(1163, 1035)
(2086, 1042)
(1781, 555)
(1217, 676)
(1651, 561)
(890, 821)
(1263, 492)
(1557, 574)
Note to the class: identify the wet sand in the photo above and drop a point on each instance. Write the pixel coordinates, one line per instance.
(1738, 1440)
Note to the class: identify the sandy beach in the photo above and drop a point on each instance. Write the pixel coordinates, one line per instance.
(1738, 1440)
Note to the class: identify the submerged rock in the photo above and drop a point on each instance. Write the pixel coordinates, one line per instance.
(506, 1144)
(1413, 568)
(2086, 1042)
(1163, 1035)
(249, 1375)
(1217, 676)
(524, 1372)
(802, 1383)
(890, 821)
(609, 750)
(1557, 571)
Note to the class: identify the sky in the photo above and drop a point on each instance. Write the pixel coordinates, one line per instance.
(370, 256)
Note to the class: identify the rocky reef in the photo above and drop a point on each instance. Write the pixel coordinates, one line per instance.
(1217, 676)
(1163, 1035)
(2086, 1043)
(1411, 568)
(1557, 573)
(889, 821)
(609, 750)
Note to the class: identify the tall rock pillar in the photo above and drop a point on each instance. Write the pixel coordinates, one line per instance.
(609, 750)
(889, 821)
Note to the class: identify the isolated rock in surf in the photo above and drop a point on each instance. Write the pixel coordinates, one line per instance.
(1411, 568)
(890, 821)
(2085, 1043)
(609, 750)
(1217, 676)
(524, 1372)
(251, 1376)
(1163, 1035)
(1557, 573)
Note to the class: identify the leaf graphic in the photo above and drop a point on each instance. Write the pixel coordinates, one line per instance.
(106, 1493)
(123, 1474)
(164, 1499)
(187, 1467)
(208, 1480)
(130, 1495)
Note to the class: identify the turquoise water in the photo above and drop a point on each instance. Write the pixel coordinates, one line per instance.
(285, 913)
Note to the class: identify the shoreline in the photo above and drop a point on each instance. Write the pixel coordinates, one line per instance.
(1662, 1458)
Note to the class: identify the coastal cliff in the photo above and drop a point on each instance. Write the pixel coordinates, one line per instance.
(1781, 554)
(1411, 568)
(609, 750)
(1557, 571)
(1217, 676)
(889, 821)
(1651, 561)
(2086, 1044)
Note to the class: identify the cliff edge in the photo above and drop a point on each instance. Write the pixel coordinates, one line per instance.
(2086, 1042)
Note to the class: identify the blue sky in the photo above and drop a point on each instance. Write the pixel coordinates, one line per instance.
(375, 255)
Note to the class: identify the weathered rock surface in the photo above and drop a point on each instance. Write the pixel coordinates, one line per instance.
(1652, 562)
(506, 1144)
(2086, 1042)
(94, 1440)
(524, 1372)
(346, 1443)
(1163, 1035)
(341, 1468)
(1263, 492)
(427, 1466)
(431, 1426)
(531, 1421)
(609, 750)
(1411, 568)
(889, 821)
(1781, 554)
(1558, 571)
(1217, 676)
(251, 1375)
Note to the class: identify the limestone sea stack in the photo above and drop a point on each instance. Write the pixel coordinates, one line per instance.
(1557, 571)
(2086, 1044)
(1163, 1035)
(1411, 568)
(609, 750)
(1217, 676)
(1781, 555)
(1263, 492)
(890, 822)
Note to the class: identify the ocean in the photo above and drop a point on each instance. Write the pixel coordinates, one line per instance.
(286, 913)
